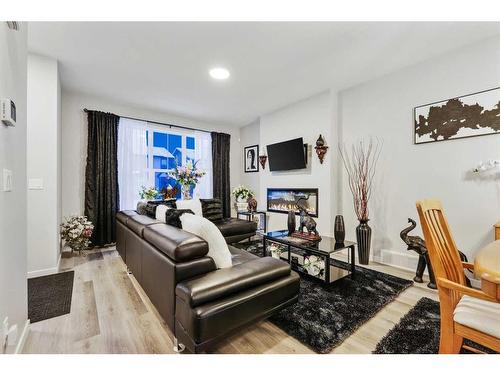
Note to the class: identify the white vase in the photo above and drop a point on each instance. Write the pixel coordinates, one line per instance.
(241, 206)
(186, 192)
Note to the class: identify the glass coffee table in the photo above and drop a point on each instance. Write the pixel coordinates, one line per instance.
(325, 260)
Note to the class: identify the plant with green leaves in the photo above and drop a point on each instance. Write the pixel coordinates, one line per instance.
(149, 193)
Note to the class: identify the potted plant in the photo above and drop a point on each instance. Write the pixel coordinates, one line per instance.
(187, 176)
(360, 164)
(76, 232)
(241, 194)
(148, 194)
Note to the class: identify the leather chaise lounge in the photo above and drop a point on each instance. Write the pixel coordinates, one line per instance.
(200, 303)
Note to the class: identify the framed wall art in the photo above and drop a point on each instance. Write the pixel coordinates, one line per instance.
(251, 158)
(465, 116)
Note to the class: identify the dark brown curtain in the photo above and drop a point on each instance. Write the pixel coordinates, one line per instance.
(220, 160)
(101, 176)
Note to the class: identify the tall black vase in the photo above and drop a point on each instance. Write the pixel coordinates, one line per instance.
(291, 222)
(339, 229)
(364, 238)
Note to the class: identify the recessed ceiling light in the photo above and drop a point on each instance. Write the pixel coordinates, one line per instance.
(219, 73)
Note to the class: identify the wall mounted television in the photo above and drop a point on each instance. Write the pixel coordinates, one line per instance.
(285, 200)
(289, 155)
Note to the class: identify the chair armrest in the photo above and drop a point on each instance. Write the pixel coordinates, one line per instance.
(226, 281)
(450, 285)
(491, 285)
(469, 266)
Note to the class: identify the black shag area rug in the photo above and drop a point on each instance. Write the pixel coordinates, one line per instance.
(50, 296)
(418, 332)
(326, 315)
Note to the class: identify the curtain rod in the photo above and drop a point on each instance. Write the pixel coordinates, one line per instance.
(158, 123)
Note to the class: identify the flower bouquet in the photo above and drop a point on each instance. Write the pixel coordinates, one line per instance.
(148, 194)
(76, 232)
(241, 194)
(187, 176)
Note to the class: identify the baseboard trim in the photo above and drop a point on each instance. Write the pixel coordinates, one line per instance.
(46, 271)
(22, 338)
(404, 261)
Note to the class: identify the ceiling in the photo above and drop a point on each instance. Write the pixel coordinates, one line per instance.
(163, 66)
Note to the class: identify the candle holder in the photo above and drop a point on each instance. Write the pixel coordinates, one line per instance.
(321, 148)
(263, 159)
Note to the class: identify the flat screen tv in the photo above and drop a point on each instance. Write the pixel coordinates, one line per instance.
(285, 156)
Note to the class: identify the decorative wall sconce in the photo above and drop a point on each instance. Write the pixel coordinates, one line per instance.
(486, 166)
(263, 159)
(320, 148)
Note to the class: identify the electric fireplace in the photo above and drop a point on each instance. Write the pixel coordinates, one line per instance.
(285, 200)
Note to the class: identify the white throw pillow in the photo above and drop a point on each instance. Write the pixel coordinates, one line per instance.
(204, 228)
(161, 211)
(190, 204)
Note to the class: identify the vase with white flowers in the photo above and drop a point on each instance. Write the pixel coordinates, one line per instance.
(76, 232)
(148, 194)
(188, 177)
(242, 194)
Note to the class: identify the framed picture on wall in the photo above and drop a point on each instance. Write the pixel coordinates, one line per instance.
(251, 158)
(461, 117)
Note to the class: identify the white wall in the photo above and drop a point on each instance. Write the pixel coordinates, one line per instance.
(307, 119)
(74, 142)
(407, 172)
(43, 165)
(13, 263)
(250, 136)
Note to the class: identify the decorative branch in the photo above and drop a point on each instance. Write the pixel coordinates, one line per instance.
(360, 164)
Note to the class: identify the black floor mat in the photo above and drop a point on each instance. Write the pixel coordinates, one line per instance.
(50, 296)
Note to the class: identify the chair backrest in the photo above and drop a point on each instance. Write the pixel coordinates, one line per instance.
(443, 251)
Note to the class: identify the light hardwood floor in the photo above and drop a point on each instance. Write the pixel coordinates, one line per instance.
(110, 313)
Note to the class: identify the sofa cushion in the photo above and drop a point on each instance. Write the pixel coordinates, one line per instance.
(160, 212)
(212, 209)
(204, 228)
(239, 256)
(173, 217)
(190, 204)
(217, 318)
(137, 223)
(149, 208)
(227, 281)
(175, 243)
(233, 227)
(141, 208)
(123, 216)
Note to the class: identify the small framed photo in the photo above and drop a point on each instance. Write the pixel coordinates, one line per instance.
(251, 158)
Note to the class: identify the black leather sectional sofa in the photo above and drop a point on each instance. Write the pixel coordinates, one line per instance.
(200, 303)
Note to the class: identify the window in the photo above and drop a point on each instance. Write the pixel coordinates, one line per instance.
(148, 153)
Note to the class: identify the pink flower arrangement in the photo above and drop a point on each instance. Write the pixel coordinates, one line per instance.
(187, 174)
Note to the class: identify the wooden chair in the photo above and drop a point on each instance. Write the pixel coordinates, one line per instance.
(465, 312)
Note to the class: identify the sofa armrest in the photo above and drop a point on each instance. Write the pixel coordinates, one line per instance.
(226, 281)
